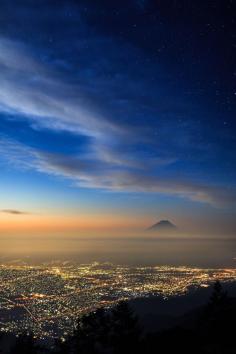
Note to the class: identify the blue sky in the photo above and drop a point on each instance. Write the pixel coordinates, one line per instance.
(118, 106)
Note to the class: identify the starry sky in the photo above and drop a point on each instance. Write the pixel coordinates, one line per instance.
(114, 114)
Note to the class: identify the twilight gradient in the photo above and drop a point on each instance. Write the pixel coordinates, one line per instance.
(115, 114)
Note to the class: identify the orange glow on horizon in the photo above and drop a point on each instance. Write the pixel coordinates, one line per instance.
(61, 223)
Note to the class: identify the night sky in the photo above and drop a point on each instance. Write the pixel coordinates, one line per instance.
(119, 110)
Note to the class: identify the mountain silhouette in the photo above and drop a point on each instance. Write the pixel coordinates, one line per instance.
(163, 225)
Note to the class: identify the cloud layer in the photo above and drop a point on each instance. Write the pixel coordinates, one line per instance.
(117, 155)
(87, 172)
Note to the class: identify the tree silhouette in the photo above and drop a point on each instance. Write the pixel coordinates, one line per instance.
(92, 333)
(24, 344)
(218, 297)
(216, 323)
(63, 346)
(125, 331)
(107, 332)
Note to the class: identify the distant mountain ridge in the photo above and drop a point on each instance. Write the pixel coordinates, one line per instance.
(163, 225)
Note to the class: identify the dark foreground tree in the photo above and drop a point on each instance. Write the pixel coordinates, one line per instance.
(217, 323)
(25, 344)
(125, 330)
(105, 332)
(92, 333)
(63, 346)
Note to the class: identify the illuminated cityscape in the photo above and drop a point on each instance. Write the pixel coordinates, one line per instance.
(47, 299)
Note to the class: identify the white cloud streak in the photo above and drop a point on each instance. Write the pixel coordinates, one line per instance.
(89, 174)
(30, 89)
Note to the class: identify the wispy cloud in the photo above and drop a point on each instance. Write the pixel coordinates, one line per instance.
(42, 97)
(112, 161)
(91, 173)
(13, 212)
(32, 90)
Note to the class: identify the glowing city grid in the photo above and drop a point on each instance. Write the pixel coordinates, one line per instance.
(48, 299)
